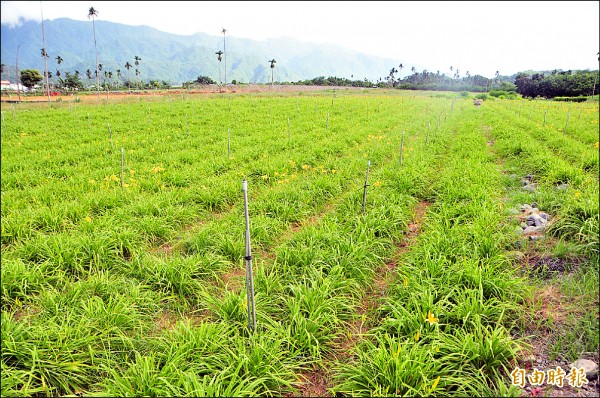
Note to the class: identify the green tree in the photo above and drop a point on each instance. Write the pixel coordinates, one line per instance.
(272, 68)
(93, 13)
(128, 66)
(204, 80)
(30, 77)
(59, 61)
(73, 82)
(219, 57)
(137, 72)
(88, 73)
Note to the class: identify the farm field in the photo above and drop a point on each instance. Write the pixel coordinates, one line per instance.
(123, 244)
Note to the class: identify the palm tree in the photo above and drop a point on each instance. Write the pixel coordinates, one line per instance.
(92, 13)
(88, 73)
(118, 77)
(100, 68)
(44, 54)
(224, 31)
(59, 61)
(137, 72)
(219, 54)
(272, 68)
(128, 66)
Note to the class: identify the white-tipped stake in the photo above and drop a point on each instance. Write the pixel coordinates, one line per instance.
(122, 167)
(364, 204)
(567, 125)
(248, 259)
(401, 147)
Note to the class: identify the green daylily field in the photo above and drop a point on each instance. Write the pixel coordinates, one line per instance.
(122, 236)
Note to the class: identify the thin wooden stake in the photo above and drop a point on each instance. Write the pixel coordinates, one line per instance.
(122, 166)
(111, 140)
(229, 143)
(248, 259)
(401, 147)
(566, 125)
(289, 136)
(364, 204)
(327, 122)
(428, 130)
(545, 111)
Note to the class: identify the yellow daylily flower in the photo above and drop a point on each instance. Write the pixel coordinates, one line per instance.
(431, 318)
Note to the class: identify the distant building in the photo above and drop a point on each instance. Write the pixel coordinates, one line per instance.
(6, 85)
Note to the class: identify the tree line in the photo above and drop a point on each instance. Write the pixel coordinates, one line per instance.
(557, 84)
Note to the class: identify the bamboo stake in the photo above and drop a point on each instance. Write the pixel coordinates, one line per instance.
(248, 258)
(365, 187)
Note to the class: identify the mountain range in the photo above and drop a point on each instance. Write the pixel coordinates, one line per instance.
(179, 58)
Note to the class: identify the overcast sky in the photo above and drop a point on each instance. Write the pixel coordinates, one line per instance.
(480, 37)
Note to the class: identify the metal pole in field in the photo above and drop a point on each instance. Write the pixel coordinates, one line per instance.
(248, 259)
(122, 166)
(401, 146)
(365, 187)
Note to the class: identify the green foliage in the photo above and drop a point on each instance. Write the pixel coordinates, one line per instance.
(139, 289)
(557, 84)
(204, 80)
(571, 99)
(30, 77)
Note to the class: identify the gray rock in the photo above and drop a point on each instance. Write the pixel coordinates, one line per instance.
(536, 237)
(536, 220)
(530, 187)
(590, 367)
(533, 230)
(544, 215)
(534, 204)
(562, 187)
(523, 225)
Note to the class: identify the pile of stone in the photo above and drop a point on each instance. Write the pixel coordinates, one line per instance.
(528, 183)
(533, 221)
